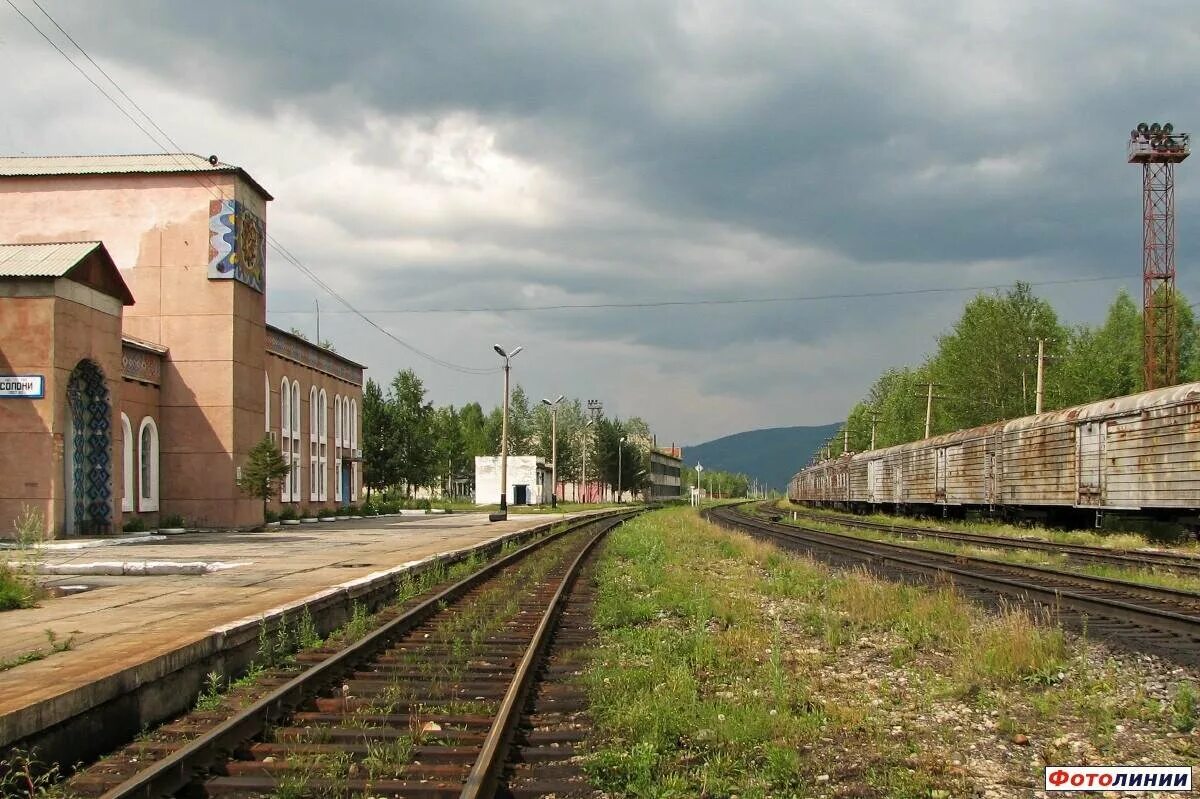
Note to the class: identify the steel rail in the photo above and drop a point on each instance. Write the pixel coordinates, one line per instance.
(1153, 592)
(932, 562)
(484, 776)
(174, 772)
(1122, 557)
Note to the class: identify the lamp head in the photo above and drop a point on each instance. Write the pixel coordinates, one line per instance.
(546, 401)
(561, 397)
(514, 352)
(500, 351)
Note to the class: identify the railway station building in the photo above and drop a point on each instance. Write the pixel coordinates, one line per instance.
(666, 466)
(137, 369)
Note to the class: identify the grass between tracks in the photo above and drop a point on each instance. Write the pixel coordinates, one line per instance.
(1162, 576)
(725, 666)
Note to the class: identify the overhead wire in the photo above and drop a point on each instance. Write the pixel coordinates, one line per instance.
(272, 241)
(727, 301)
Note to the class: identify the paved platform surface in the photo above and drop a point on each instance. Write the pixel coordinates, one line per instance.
(125, 620)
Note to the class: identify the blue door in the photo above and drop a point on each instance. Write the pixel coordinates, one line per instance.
(346, 498)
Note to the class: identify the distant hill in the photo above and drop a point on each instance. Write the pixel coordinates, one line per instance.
(772, 455)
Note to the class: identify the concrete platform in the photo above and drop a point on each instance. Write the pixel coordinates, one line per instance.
(131, 630)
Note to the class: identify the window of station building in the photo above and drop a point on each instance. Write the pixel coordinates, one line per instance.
(127, 438)
(337, 447)
(314, 426)
(148, 477)
(323, 445)
(296, 465)
(354, 469)
(285, 435)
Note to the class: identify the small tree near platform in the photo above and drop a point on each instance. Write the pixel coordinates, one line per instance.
(264, 470)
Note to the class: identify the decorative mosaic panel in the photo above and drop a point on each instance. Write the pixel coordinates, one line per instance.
(237, 246)
(145, 367)
(313, 357)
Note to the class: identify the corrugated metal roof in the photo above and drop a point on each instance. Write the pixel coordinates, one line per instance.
(43, 260)
(149, 163)
(107, 164)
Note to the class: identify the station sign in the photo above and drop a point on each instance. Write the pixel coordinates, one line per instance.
(22, 386)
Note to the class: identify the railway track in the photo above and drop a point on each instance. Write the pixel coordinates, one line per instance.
(1136, 616)
(1177, 562)
(467, 693)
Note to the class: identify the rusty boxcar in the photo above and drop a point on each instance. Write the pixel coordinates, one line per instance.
(1136, 454)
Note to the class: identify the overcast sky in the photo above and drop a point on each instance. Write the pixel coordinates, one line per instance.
(433, 155)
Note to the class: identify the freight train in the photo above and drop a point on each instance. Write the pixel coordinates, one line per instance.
(1137, 456)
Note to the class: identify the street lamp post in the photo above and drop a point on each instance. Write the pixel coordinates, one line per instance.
(620, 450)
(699, 471)
(507, 356)
(553, 448)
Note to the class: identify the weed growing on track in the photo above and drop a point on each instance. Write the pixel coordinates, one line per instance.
(21, 774)
(727, 666)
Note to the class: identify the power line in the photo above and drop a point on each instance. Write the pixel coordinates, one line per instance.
(271, 240)
(725, 301)
(81, 71)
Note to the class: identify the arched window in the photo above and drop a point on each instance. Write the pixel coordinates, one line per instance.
(296, 464)
(285, 435)
(323, 447)
(337, 447)
(128, 487)
(354, 471)
(314, 481)
(148, 461)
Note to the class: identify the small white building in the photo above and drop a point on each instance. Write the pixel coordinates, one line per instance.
(529, 480)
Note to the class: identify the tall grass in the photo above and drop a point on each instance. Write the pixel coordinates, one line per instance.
(695, 685)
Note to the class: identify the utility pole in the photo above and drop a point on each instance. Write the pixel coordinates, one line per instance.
(928, 409)
(595, 409)
(583, 476)
(317, 303)
(874, 421)
(846, 438)
(620, 449)
(1039, 392)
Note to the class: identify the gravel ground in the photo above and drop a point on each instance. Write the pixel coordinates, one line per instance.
(1103, 708)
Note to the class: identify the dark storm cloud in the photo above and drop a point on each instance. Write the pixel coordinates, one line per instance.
(839, 138)
(683, 150)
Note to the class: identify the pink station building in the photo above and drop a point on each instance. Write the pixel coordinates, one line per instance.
(137, 369)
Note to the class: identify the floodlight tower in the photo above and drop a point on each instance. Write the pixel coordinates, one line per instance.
(1158, 148)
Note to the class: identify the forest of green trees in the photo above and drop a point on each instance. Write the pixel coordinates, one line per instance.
(984, 368)
(409, 443)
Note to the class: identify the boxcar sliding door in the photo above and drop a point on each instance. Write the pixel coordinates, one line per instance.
(1090, 455)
